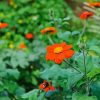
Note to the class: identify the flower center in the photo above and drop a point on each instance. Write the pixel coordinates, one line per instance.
(58, 50)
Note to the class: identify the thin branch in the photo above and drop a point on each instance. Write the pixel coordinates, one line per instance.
(82, 33)
(85, 72)
(50, 40)
(72, 66)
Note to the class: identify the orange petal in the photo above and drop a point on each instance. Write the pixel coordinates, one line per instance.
(41, 86)
(69, 53)
(50, 49)
(52, 88)
(67, 47)
(50, 56)
(47, 89)
(60, 57)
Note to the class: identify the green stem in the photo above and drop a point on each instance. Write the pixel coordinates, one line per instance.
(84, 62)
(85, 72)
(72, 66)
(50, 40)
(83, 31)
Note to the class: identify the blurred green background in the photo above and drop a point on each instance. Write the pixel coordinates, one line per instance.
(20, 69)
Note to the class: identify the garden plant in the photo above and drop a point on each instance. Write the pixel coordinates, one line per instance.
(49, 50)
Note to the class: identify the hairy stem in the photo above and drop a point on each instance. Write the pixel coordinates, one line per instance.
(82, 33)
(50, 40)
(72, 66)
(85, 72)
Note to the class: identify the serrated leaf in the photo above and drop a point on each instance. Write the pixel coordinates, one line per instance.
(55, 72)
(95, 88)
(32, 95)
(93, 72)
(78, 96)
(64, 36)
(13, 72)
(75, 32)
(96, 49)
(4, 98)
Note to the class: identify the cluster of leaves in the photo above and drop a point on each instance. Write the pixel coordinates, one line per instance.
(22, 70)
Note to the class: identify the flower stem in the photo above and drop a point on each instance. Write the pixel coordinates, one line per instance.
(50, 40)
(82, 33)
(72, 66)
(85, 72)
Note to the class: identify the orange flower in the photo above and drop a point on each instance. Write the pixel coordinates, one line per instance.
(3, 25)
(86, 15)
(50, 30)
(96, 4)
(46, 86)
(58, 52)
(29, 36)
(22, 46)
(49, 88)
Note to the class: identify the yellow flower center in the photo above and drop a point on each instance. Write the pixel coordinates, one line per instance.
(58, 49)
(11, 46)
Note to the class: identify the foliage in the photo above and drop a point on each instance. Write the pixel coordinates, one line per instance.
(23, 68)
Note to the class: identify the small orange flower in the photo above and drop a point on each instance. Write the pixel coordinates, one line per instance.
(86, 15)
(22, 46)
(49, 88)
(96, 4)
(50, 30)
(58, 52)
(46, 86)
(29, 36)
(3, 25)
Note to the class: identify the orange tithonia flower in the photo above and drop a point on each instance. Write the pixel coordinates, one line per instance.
(3, 25)
(22, 46)
(50, 30)
(58, 52)
(96, 4)
(86, 15)
(29, 36)
(46, 86)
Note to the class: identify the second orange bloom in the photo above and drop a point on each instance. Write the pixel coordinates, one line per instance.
(50, 30)
(58, 52)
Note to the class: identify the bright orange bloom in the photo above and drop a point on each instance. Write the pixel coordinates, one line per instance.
(22, 46)
(86, 15)
(96, 4)
(46, 86)
(58, 52)
(50, 30)
(29, 36)
(49, 88)
(3, 25)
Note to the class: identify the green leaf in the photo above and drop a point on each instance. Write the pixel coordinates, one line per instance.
(2, 65)
(14, 62)
(93, 72)
(5, 98)
(10, 86)
(20, 91)
(32, 95)
(96, 49)
(78, 96)
(89, 61)
(75, 32)
(95, 88)
(64, 36)
(34, 80)
(55, 72)
(13, 73)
